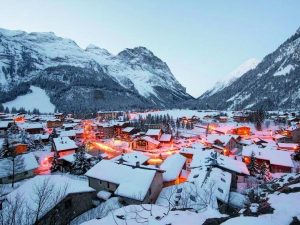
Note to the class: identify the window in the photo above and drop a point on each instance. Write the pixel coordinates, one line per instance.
(100, 182)
(68, 203)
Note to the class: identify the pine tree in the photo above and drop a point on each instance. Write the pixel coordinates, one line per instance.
(81, 163)
(253, 166)
(55, 164)
(265, 172)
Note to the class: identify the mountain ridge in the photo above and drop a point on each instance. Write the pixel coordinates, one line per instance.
(134, 78)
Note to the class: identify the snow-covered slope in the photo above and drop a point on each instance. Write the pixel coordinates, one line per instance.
(273, 84)
(249, 64)
(44, 59)
(37, 99)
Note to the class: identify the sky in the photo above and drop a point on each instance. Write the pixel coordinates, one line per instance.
(201, 41)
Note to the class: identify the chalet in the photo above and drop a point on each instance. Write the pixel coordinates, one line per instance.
(65, 162)
(67, 198)
(64, 146)
(237, 168)
(69, 126)
(133, 184)
(154, 133)
(4, 125)
(105, 131)
(228, 143)
(79, 134)
(241, 131)
(24, 171)
(279, 138)
(44, 138)
(33, 128)
(127, 133)
(59, 116)
(241, 117)
(222, 119)
(279, 161)
(109, 115)
(54, 123)
(296, 135)
(166, 139)
(144, 143)
(173, 167)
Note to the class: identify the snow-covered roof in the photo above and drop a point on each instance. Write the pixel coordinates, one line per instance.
(172, 167)
(103, 195)
(215, 178)
(134, 182)
(30, 163)
(288, 145)
(67, 133)
(211, 138)
(132, 158)
(40, 136)
(276, 157)
(165, 137)
(153, 132)
(151, 140)
(58, 186)
(28, 126)
(71, 157)
(128, 129)
(201, 159)
(4, 124)
(278, 136)
(64, 143)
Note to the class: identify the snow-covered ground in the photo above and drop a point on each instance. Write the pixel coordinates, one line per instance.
(36, 99)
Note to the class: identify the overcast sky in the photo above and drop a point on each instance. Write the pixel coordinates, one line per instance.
(201, 41)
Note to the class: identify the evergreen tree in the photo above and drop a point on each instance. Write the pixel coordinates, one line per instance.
(6, 110)
(253, 166)
(55, 164)
(81, 163)
(1, 108)
(265, 172)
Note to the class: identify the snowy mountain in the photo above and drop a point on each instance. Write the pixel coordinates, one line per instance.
(91, 78)
(249, 64)
(273, 84)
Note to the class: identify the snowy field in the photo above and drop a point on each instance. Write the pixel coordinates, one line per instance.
(36, 99)
(175, 113)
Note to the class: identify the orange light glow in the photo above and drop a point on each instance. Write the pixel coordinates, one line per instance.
(155, 161)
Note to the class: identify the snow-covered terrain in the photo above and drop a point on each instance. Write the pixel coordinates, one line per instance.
(37, 99)
(249, 64)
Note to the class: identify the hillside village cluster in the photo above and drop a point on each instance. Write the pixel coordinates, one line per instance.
(55, 169)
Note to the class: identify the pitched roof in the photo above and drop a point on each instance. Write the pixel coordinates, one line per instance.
(64, 143)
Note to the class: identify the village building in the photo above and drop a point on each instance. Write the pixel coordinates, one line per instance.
(59, 116)
(32, 128)
(109, 115)
(64, 146)
(225, 144)
(65, 162)
(133, 184)
(144, 143)
(4, 125)
(154, 133)
(288, 146)
(68, 133)
(44, 138)
(26, 164)
(279, 161)
(166, 140)
(237, 169)
(127, 133)
(132, 158)
(66, 199)
(175, 170)
(54, 123)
